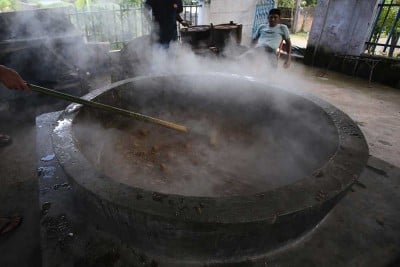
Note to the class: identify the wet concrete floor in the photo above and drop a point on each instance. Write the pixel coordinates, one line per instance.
(375, 107)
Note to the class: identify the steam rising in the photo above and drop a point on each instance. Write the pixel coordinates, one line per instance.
(146, 60)
(245, 137)
(43, 45)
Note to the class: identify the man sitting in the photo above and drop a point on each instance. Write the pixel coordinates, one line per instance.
(268, 38)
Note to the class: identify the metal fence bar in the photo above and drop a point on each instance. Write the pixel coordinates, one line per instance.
(381, 27)
(392, 31)
(192, 16)
(119, 25)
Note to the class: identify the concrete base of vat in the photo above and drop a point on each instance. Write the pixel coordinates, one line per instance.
(361, 230)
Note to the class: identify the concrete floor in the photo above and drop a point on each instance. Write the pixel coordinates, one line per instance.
(375, 107)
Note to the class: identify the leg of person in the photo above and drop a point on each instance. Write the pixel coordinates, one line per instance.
(5, 140)
(8, 224)
(250, 55)
(273, 60)
(272, 57)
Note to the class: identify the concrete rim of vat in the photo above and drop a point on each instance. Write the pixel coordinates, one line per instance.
(324, 185)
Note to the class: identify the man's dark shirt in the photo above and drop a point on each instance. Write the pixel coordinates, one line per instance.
(165, 13)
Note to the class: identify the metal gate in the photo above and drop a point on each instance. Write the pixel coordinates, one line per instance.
(261, 15)
(384, 37)
(119, 24)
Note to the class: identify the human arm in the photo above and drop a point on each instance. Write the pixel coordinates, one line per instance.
(256, 36)
(288, 48)
(182, 21)
(12, 80)
(148, 10)
(148, 4)
(178, 16)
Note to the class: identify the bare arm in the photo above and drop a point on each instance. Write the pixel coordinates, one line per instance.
(148, 11)
(255, 37)
(12, 80)
(182, 21)
(179, 10)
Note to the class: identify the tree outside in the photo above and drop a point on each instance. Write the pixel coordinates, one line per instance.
(292, 3)
(7, 5)
(386, 30)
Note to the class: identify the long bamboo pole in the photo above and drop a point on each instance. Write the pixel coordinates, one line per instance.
(108, 108)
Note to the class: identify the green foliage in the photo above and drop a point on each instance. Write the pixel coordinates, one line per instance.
(385, 26)
(83, 3)
(292, 3)
(54, 4)
(396, 2)
(88, 4)
(7, 4)
(130, 2)
(287, 3)
(309, 3)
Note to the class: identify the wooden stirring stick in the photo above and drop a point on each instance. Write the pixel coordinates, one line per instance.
(108, 108)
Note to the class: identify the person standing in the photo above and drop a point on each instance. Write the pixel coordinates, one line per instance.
(165, 15)
(268, 38)
(12, 80)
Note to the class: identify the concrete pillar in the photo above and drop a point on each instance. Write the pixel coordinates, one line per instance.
(296, 17)
(339, 27)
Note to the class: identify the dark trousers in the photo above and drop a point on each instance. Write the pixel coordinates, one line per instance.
(272, 56)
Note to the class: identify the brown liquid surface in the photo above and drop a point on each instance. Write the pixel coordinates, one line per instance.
(223, 161)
